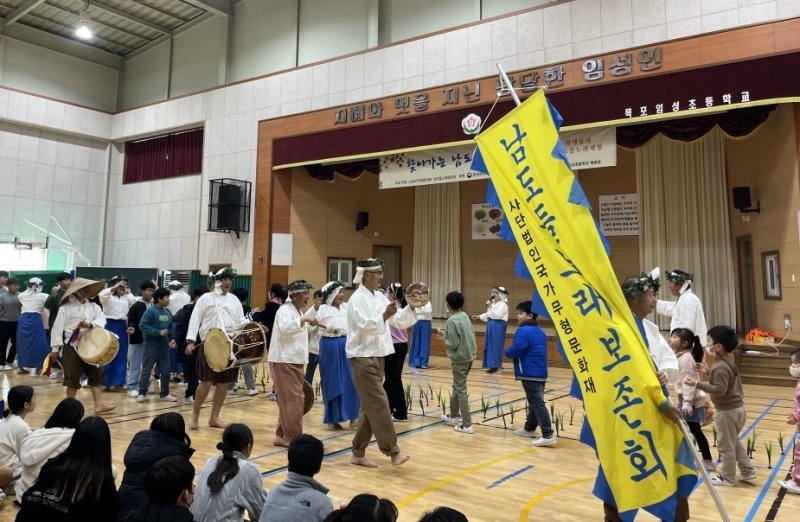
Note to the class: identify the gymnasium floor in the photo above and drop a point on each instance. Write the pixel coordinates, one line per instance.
(490, 476)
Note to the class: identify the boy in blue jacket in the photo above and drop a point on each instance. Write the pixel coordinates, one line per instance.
(155, 326)
(529, 351)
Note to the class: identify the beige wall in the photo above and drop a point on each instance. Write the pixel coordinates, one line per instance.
(767, 162)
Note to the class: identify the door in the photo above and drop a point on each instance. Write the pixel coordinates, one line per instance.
(392, 258)
(744, 247)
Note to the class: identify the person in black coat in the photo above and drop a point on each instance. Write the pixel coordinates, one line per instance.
(278, 294)
(165, 438)
(180, 325)
(169, 484)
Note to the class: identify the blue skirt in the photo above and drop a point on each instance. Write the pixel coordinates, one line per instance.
(698, 413)
(420, 345)
(493, 343)
(114, 372)
(32, 346)
(338, 391)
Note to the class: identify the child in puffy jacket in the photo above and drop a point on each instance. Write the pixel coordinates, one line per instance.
(529, 351)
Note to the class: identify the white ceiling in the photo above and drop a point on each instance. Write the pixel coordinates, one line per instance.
(120, 27)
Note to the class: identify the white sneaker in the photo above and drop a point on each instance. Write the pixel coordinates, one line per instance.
(252, 392)
(141, 398)
(464, 429)
(168, 398)
(188, 400)
(55, 374)
(790, 486)
(719, 480)
(133, 393)
(236, 387)
(749, 477)
(522, 432)
(7, 367)
(552, 440)
(452, 421)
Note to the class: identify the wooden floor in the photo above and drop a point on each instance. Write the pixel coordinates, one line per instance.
(490, 476)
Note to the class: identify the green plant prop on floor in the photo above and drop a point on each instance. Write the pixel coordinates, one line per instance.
(753, 446)
(439, 395)
(571, 413)
(484, 406)
(561, 420)
(552, 409)
(421, 406)
(501, 414)
(409, 398)
(497, 405)
(430, 389)
(780, 441)
(768, 447)
(512, 411)
(714, 433)
(444, 407)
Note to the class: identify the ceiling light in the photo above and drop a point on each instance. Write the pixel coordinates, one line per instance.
(84, 29)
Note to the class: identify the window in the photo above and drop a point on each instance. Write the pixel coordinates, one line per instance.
(771, 267)
(164, 157)
(341, 269)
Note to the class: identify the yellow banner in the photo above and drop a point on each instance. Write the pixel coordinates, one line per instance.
(636, 443)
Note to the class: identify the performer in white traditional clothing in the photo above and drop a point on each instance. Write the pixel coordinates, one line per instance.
(288, 351)
(116, 299)
(687, 311)
(496, 319)
(216, 309)
(369, 340)
(31, 337)
(338, 391)
(178, 298)
(76, 315)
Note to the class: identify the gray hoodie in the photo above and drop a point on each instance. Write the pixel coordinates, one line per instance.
(298, 499)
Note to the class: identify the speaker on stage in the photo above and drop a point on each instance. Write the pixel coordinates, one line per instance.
(742, 200)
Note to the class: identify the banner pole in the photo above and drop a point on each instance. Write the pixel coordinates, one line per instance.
(699, 461)
(507, 82)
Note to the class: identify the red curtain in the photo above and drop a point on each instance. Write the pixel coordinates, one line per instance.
(164, 157)
(351, 170)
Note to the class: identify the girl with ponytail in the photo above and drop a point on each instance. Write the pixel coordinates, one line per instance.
(689, 350)
(229, 484)
(14, 429)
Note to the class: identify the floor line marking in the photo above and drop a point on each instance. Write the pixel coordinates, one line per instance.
(765, 488)
(509, 476)
(525, 513)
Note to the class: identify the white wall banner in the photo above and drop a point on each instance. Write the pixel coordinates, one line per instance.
(619, 215)
(485, 221)
(591, 148)
(427, 167)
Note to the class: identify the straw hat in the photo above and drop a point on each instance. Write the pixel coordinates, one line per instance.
(87, 287)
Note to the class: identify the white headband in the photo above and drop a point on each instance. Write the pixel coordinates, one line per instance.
(360, 272)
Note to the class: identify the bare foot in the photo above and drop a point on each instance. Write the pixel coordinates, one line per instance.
(280, 441)
(22, 371)
(334, 426)
(103, 408)
(193, 422)
(217, 423)
(362, 461)
(353, 424)
(400, 459)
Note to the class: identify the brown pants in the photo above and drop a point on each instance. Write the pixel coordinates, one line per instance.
(289, 388)
(731, 450)
(374, 416)
(74, 366)
(681, 511)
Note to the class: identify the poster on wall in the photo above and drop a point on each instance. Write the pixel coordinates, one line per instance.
(485, 221)
(428, 167)
(591, 148)
(619, 214)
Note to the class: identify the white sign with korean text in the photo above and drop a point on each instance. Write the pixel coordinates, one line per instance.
(485, 221)
(427, 168)
(619, 214)
(591, 148)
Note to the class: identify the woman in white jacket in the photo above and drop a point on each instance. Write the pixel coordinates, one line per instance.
(48, 442)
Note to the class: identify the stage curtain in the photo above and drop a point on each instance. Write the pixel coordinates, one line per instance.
(164, 157)
(437, 241)
(683, 219)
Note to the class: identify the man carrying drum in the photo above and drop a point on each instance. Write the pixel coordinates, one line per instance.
(76, 316)
(216, 309)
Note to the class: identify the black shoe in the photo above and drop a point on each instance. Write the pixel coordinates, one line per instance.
(491, 370)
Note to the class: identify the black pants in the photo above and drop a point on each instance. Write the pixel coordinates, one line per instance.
(700, 437)
(8, 332)
(189, 363)
(393, 381)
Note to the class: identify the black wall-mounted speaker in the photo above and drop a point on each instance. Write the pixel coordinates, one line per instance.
(741, 198)
(362, 220)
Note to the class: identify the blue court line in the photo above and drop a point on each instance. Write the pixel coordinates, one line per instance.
(509, 476)
(766, 487)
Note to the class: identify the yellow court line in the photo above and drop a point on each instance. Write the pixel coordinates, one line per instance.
(523, 515)
(455, 476)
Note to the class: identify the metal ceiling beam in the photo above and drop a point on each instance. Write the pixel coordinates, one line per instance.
(95, 38)
(218, 7)
(22, 10)
(102, 6)
(163, 38)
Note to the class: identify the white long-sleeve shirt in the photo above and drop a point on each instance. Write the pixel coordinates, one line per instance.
(37, 448)
(424, 313)
(13, 430)
(367, 333)
(498, 310)
(289, 341)
(214, 310)
(663, 356)
(686, 312)
(116, 306)
(332, 320)
(178, 300)
(69, 315)
(32, 301)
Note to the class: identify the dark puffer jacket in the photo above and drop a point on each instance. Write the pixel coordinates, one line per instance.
(147, 448)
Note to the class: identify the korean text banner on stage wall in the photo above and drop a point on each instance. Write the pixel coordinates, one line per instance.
(427, 167)
(556, 233)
